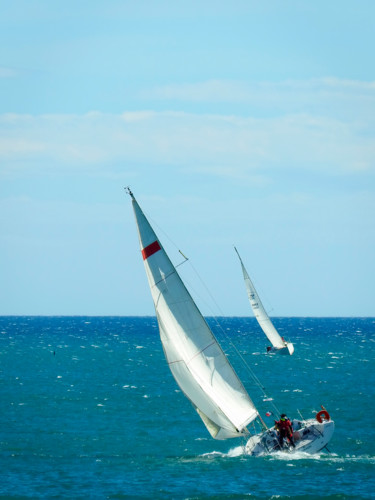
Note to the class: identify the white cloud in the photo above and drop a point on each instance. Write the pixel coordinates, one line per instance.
(13, 147)
(137, 116)
(215, 144)
(324, 96)
(228, 90)
(7, 72)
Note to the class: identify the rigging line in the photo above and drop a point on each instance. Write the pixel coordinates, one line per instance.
(164, 278)
(254, 377)
(167, 237)
(183, 262)
(208, 292)
(161, 230)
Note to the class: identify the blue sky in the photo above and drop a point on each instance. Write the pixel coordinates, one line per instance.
(246, 122)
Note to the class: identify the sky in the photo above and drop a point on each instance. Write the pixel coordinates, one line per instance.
(245, 123)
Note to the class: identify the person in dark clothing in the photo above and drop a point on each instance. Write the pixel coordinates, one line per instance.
(285, 430)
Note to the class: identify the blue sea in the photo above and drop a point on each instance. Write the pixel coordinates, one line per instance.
(89, 409)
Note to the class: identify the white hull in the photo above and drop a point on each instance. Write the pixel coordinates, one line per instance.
(310, 436)
(288, 350)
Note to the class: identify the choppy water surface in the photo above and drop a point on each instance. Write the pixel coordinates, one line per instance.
(90, 410)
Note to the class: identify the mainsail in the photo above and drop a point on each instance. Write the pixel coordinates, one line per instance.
(195, 358)
(259, 312)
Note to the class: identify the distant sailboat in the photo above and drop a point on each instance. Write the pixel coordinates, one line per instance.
(199, 365)
(279, 345)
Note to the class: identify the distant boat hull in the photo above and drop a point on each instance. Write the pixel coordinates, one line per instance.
(287, 350)
(310, 436)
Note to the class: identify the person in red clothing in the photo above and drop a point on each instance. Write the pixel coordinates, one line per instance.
(284, 427)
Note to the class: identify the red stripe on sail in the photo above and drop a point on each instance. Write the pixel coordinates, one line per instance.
(150, 250)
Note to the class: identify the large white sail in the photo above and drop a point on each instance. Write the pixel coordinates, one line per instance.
(259, 312)
(196, 360)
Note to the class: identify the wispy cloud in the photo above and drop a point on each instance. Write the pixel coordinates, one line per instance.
(344, 98)
(318, 139)
(7, 72)
(236, 145)
(227, 90)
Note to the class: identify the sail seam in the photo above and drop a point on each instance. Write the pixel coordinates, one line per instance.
(193, 357)
(202, 350)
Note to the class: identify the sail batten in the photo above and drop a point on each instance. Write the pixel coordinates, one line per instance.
(194, 356)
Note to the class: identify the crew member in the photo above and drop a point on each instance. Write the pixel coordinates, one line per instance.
(284, 426)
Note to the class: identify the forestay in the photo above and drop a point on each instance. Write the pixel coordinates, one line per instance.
(196, 360)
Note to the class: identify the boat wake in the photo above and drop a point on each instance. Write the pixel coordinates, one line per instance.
(239, 451)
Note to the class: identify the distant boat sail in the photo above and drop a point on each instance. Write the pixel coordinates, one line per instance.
(278, 343)
(199, 365)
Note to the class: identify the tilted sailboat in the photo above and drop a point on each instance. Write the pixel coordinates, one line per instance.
(279, 345)
(199, 365)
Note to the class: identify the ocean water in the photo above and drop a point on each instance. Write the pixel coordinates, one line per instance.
(89, 409)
